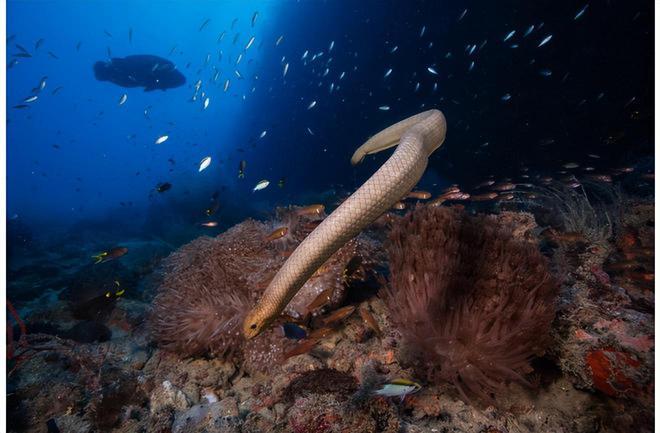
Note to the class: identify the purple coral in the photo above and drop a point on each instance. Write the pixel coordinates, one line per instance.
(473, 302)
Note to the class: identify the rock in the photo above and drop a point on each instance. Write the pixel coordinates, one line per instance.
(228, 407)
(138, 359)
(89, 331)
(167, 397)
(217, 417)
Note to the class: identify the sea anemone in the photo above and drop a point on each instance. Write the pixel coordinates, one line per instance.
(473, 302)
(210, 284)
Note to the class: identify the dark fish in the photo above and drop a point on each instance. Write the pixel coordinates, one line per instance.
(78, 45)
(130, 35)
(109, 52)
(254, 18)
(162, 187)
(107, 33)
(111, 254)
(52, 54)
(38, 44)
(22, 48)
(206, 21)
(281, 182)
(20, 106)
(172, 50)
(241, 169)
(22, 55)
(10, 38)
(139, 71)
(233, 23)
(293, 331)
(57, 89)
(13, 63)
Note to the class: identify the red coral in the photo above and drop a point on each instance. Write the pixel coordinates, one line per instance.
(473, 301)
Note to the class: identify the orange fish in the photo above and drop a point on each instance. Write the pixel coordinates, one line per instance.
(314, 209)
(643, 276)
(399, 205)
(601, 178)
(623, 265)
(301, 348)
(321, 299)
(209, 224)
(277, 233)
(505, 186)
(370, 320)
(485, 183)
(420, 195)
(339, 315)
(484, 197)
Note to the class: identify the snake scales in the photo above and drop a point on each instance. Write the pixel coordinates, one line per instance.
(417, 137)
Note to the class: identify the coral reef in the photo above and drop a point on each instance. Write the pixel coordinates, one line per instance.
(604, 327)
(473, 302)
(596, 376)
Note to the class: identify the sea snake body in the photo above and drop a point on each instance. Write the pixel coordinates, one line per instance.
(417, 137)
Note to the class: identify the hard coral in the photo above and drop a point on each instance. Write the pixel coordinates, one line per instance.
(473, 302)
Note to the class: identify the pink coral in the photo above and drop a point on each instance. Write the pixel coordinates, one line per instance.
(472, 301)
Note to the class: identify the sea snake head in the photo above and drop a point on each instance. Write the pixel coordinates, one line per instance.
(255, 323)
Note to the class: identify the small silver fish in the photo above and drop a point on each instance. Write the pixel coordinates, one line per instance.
(545, 41)
(581, 12)
(398, 388)
(249, 44)
(509, 35)
(261, 185)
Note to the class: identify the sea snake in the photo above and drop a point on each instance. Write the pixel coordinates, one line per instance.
(417, 137)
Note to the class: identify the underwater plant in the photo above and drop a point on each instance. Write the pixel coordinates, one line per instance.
(473, 301)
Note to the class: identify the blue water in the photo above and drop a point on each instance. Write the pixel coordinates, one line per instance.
(586, 91)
